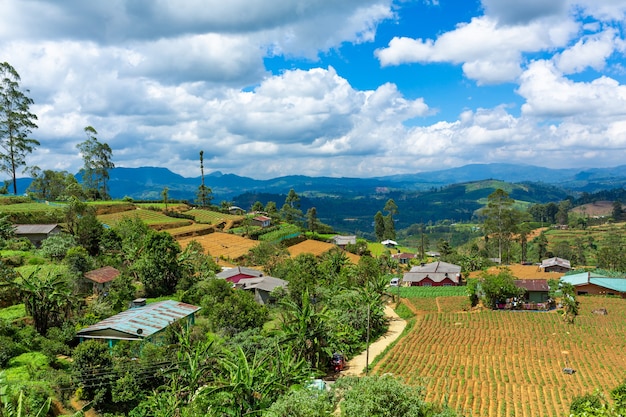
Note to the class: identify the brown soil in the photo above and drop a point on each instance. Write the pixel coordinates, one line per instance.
(356, 366)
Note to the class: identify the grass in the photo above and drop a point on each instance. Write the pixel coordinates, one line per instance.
(22, 367)
(29, 208)
(12, 313)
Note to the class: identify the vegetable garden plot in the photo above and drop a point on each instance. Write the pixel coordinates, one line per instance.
(222, 244)
(498, 363)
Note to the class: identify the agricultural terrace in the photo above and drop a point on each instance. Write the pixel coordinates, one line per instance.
(583, 238)
(30, 207)
(212, 217)
(317, 248)
(501, 363)
(154, 219)
(222, 245)
(520, 272)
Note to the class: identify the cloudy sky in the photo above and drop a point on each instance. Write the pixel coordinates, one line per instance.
(354, 88)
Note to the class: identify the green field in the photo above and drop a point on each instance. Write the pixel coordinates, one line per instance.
(212, 217)
(150, 217)
(429, 292)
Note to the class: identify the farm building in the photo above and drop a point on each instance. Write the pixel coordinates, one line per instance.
(403, 258)
(143, 322)
(239, 272)
(434, 274)
(262, 221)
(36, 233)
(389, 243)
(342, 241)
(262, 287)
(536, 290)
(556, 265)
(588, 283)
(99, 280)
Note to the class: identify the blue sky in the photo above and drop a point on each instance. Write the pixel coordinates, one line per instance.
(356, 88)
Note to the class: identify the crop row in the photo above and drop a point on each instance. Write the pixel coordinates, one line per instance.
(495, 363)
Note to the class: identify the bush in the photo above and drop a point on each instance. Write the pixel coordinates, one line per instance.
(14, 260)
(8, 349)
(56, 246)
(36, 260)
(21, 244)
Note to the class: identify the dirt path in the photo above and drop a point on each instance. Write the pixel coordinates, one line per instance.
(356, 366)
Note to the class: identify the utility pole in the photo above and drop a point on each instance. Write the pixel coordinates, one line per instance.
(367, 349)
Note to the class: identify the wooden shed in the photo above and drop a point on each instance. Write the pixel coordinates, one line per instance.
(37, 233)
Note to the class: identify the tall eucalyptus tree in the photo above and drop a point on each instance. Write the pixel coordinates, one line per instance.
(16, 122)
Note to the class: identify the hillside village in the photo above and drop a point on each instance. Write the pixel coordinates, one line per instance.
(120, 306)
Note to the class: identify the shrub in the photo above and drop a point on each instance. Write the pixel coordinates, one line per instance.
(14, 260)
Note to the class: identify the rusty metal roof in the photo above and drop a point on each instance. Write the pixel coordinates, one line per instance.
(102, 275)
(533, 284)
(141, 322)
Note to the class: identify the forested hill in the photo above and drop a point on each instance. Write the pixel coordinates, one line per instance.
(349, 204)
(457, 203)
(148, 182)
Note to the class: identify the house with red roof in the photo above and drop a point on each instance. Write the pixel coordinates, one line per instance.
(99, 280)
(237, 273)
(434, 274)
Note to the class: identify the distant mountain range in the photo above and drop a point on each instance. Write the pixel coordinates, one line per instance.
(148, 182)
(349, 204)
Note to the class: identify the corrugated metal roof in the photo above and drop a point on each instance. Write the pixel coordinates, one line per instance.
(239, 270)
(532, 284)
(268, 284)
(437, 271)
(615, 284)
(34, 229)
(576, 279)
(142, 322)
(546, 263)
(344, 240)
(102, 275)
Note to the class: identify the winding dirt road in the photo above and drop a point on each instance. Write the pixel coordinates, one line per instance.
(356, 366)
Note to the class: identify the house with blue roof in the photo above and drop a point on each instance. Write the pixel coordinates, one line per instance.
(589, 283)
(141, 322)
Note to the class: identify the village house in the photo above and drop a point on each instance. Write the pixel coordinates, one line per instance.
(403, 258)
(37, 233)
(233, 275)
(99, 280)
(588, 283)
(434, 274)
(556, 265)
(342, 241)
(141, 322)
(262, 221)
(535, 290)
(262, 287)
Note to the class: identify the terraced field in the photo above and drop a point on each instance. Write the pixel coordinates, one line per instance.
(212, 217)
(150, 217)
(222, 245)
(501, 363)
